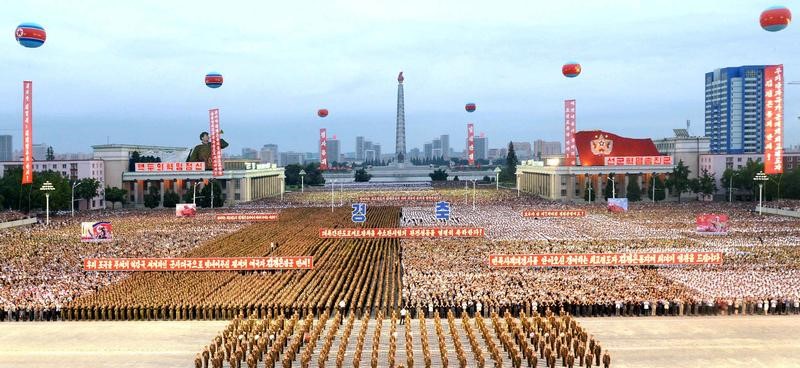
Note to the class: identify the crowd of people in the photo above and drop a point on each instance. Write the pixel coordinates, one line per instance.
(41, 267)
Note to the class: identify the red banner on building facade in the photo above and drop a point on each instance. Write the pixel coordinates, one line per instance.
(233, 217)
(595, 145)
(773, 119)
(27, 132)
(323, 149)
(216, 151)
(553, 213)
(402, 232)
(169, 166)
(639, 161)
(470, 144)
(604, 259)
(570, 152)
(199, 264)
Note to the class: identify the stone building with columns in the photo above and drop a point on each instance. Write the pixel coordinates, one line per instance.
(242, 180)
(632, 158)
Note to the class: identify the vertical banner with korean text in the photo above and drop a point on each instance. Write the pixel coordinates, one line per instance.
(323, 149)
(27, 132)
(216, 152)
(570, 151)
(773, 119)
(471, 144)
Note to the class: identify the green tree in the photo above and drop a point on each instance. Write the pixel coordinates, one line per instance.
(706, 183)
(438, 175)
(362, 176)
(455, 178)
(508, 173)
(28, 197)
(50, 154)
(593, 192)
(171, 199)
(153, 197)
(206, 193)
(728, 179)
(87, 189)
(678, 181)
(633, 190)
(114, 195)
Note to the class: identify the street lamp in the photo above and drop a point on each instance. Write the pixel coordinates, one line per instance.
(589, 186)
(47, 187)
(212, 193)
(730, 187)
(519, 174)
(613, 186)
(72, 204)
(760, 178)
(302, 183)
(497, 178)
(333, 184)
(654, 187)
(473, 193)
(194, 193)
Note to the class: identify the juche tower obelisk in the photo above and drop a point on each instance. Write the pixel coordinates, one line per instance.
(400, 140)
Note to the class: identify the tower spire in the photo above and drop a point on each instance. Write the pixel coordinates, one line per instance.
(400, 141)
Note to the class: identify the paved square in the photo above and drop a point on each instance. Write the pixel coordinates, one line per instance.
(104, 344)
(753, 341)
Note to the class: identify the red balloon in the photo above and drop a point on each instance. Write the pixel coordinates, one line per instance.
(775, 18)
(571, 70)
(470, 107)
(322, 113)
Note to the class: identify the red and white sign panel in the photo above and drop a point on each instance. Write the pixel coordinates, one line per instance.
(773, 119)
(604, 259)
(470, 144)
(323, 149)
(199, 264)
(185, 210)
(553, 213)
(570, 151)
(710, 223)
(216, 151)
(402, 232)
(639, 161)
(169, 166)
(233, 217)
(397, 198)
(96, 231)
(27, 132)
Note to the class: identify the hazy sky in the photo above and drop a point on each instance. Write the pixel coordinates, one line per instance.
(132, 72)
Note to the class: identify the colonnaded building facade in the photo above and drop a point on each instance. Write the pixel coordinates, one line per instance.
(600, 155)
(242, 180)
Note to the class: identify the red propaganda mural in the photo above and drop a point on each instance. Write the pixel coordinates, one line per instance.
(595, 145)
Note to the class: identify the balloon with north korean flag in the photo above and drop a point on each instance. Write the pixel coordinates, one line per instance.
(775, 18)
(214, 80)
(571, 69)
(470, 107)
(30, 35)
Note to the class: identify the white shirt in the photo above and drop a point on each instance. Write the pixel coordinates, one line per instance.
(403, 312)
(478, 306)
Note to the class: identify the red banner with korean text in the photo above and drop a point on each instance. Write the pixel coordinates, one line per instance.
(323, 149)
(234, 217)
(27, 132)
(199, 264)
(773, 119)
(639, 161)
(553, 213)
(470, 144)
(402, 232)
(570, 151)
(216, 151)
(169, 166)
(604, 259)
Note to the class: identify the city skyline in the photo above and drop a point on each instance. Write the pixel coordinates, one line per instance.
(144, 87)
